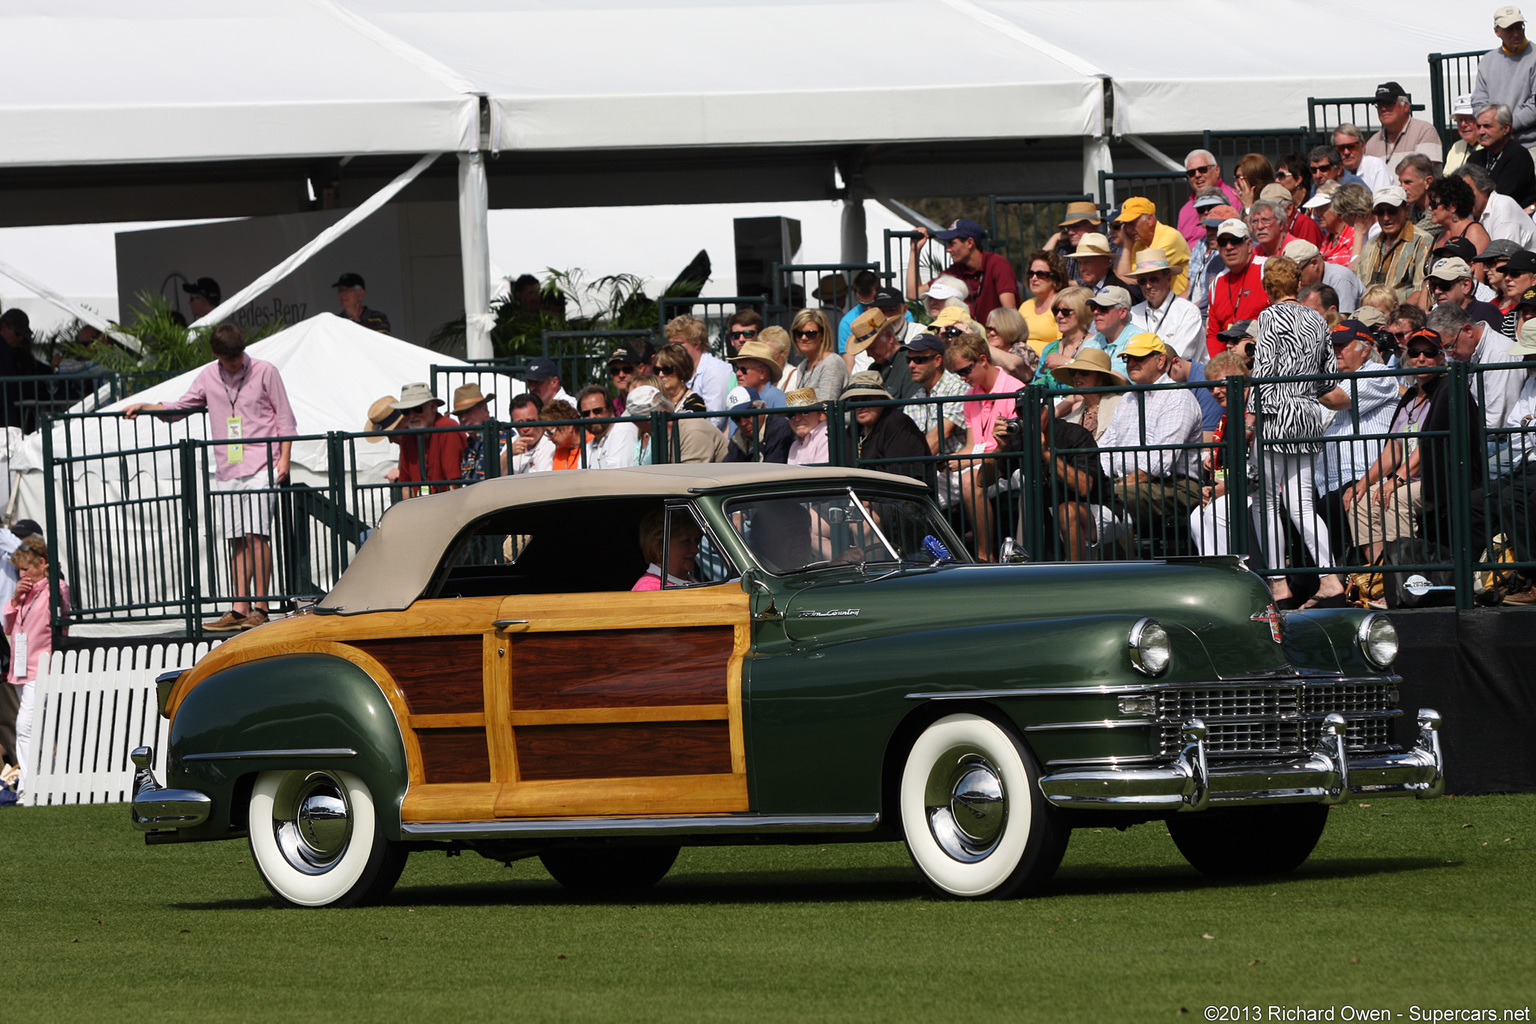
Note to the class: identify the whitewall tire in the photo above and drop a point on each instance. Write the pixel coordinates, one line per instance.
(316, 839)
(975, 821)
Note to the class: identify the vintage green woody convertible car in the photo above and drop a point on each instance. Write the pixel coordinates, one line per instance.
(817, 666)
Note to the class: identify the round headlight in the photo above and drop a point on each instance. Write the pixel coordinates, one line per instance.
(1378, 640)
(1150, 648)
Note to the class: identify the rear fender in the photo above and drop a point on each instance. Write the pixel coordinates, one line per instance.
(286, 712)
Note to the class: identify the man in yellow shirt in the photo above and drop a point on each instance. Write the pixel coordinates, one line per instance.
(1140, 229)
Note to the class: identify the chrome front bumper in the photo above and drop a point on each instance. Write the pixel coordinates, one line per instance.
(1324, 775)
(155, 807)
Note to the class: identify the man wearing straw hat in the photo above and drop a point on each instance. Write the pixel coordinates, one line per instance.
(1079, 219)
(472, 409)
(244, 398)
(441, 454)
(1171, 317)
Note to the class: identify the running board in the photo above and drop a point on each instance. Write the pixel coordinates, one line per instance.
(567, 828)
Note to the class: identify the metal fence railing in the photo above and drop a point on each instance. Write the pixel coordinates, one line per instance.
(1018, 225)
(1450, 75)
(1231, 146)
(796, 286)
(715, 311)
(1325, 113)
(137, 519)
(1168, 189)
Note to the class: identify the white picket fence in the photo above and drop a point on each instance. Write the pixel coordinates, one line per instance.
(93, 707)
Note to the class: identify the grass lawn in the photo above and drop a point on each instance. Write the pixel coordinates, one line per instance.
(1404, 904)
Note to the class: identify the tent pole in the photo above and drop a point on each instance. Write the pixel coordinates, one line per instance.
(475, 247)
(855, 232)
(1096, 158)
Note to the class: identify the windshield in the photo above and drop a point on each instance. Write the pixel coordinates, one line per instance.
(792, 533)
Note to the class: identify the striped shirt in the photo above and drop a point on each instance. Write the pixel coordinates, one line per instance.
(1172, 417)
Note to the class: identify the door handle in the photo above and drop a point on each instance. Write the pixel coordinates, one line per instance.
(505, 624)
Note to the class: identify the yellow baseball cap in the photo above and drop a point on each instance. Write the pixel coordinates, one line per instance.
(1136, 206)
(1145, 345)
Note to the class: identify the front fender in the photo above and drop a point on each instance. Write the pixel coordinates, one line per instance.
(821, 715)
(285, 712)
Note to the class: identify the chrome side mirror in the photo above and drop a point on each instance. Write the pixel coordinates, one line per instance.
(1012, 552)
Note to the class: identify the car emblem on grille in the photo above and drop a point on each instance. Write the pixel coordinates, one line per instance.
(1271, 616)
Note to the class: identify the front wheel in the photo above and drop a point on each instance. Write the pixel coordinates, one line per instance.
(316, 839)
(1249, 841)
(976, 823)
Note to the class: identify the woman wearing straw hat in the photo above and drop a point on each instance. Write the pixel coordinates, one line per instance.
(1091, 368)
(809, 422)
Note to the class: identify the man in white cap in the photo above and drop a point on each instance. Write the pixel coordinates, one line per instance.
(1507, 74)
(1171, 317)
(1464, 115)
(1316, 270)
(1395, 257)
(1113, 324)
(1238, 291)
(1450, 280)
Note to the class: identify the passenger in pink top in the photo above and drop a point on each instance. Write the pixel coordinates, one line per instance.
(25, 618)
(967, 357)
(244, 397)
(682, 550)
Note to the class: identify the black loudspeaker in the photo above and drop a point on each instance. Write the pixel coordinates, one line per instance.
(760, 243)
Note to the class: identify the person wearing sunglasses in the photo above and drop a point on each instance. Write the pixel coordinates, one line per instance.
(811, 334)
(925, 361)
(1203, 173)
(1171, 317)
(743, 326)
(1477, 344)
(1450, 280)
(969, 358)
(1350, 142)
(1238, 291)
(1397, 255)
(1075, 321)
(1401, 133)
(1327, 164)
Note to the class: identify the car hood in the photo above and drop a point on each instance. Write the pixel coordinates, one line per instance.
(1216, 601)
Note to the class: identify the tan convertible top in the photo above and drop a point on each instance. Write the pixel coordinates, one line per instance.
(396, 564)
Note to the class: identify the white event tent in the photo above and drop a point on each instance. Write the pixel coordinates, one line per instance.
(155, 110)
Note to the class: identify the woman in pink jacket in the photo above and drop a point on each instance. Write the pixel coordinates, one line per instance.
(26, 621)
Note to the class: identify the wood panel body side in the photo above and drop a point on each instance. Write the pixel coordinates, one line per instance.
(303, 634)
(498, 708)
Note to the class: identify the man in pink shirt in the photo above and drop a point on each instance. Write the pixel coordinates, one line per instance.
(1203, 171)
(967, 356)
(244, 398)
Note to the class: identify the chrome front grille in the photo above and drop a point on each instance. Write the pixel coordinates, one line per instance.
(1281, 719)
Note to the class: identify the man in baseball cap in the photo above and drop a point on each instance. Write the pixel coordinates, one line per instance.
(1401, 133)
(1140, 229)
(203, 294)
(1237, 293)
(350, 291)
(1450, 280)
(543, 379)
(1504, 73)
(1112, 323)
(1395, 257)
(988, 276)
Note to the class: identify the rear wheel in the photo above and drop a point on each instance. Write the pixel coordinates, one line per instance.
(1249, 841)
(317, 841)
(976, 823)
(605, 868)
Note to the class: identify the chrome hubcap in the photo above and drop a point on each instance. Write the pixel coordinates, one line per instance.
(312, 821)
(966, 805)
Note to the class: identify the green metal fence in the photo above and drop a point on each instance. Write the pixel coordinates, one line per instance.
(1231, 146)
(1018, 225)
(1168, 189)
(1450, 75)
(137, 523)
(1325, 113)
